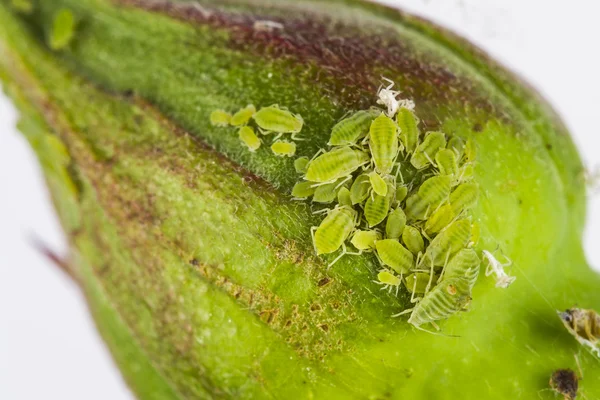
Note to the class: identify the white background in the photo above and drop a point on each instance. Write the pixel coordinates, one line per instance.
(49, 348)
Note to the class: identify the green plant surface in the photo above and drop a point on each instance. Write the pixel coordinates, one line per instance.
(197, 265)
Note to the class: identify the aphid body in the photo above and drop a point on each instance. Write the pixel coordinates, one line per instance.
(282, 148)
(365, 240)
(335, 164)
(495, 267)
(447, 164)
(388, 280)
(301, 164)
(464, 197)
(249, 138)
(383, 143)
(449, 241)
(63, 29)
(243, 116)
(343, 197)
(376, 209)
(349, 130)
(359, 190)
(440, 219)
(394, 226)
(333, 231)
(303, 190)
(328, 192)
(378, 184)
(401, 193)
(413, 240)
(417, 282)
(430, 194)
(278, 120)
(394, 255)
(409, 132)
(426, 151)
(584, 325)
(220, 118)
(465, 265)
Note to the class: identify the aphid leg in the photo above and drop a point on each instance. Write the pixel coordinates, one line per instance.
(435, 333)
(296, 138)
(277, 137)
(346, 179)
(444, 268)
(425, 234)
(399, 173)
(428, 158)
(342, 253)
(323, 211)
(317, 154)
(430, 277)
(408, 310)
(414, 299)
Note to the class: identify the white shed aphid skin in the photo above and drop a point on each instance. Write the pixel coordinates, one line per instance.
(243, 116)
(249, 138)
(301, 164)
(388, 98)
(388, 280)
(275, 119)
(282, 148)
(220, 118)
(267, 26)
(495, 267)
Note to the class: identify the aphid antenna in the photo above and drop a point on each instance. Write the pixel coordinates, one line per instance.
(296, 138)
(425, 235)
(277, 137)
(317, 154)
(322, 211)
(346, 179)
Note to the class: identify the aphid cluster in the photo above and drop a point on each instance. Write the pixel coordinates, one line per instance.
(403, 196)
(269, 120)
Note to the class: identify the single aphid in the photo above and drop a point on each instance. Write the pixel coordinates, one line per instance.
(464, 197)
(426, 151)
(328, 192)
(503, 280)
(584, 325)
(220, 118)
(63, 29)
(378, 184)
(447, 164)
(282, 148)
(335, 164)
(401, 192)
(413, 240)
(565, 382)
(301, 164)
(365, 240)
(465, 265)
(243, 116)
(249, 138)
(333, 231)
(376, 209)
(394, 226)
(343, 197)
(349, 130)
(359, 191)
(430, 195)
(409, 132)
(470, 151)
(392, 254)
(457, 145)
(274, 119)
(417, 282)
(440, 219)
(467, 173)
(303, 190)
(383, 143)
(448, 242)
(390, 182)
(388, 98)
(447, 298)
(388, 280)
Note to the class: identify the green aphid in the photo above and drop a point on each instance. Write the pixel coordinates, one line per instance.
(22, 6)
(388, 280)
(242, 117)
(333, 231)
(383, 143)
(63, 29)
(394, 226)
(360, 189)
(430, 195)
(220, 118)
(365, 240)
(343, 197)
(394, 255)
(376, 209)
(274, 119)
(440, 219)
(390, 182)
(457, 145)
(465, 265)
(301, 164)
(470, 151)
(467, 173)
(413, 240)
(303, 190)
(378, 184)
(282, 148)
(447, 298)
(475, 234)
(401, 192)
(335, 164)
(426, 151)
(328, 192)
(249, 138)
(464, 197)
(409, 132)
(447, 164)
(448, 242)
(349, 130)
(417, 283)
